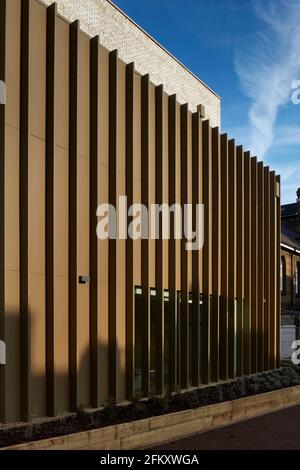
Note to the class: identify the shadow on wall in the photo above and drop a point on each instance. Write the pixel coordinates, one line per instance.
(16, 377)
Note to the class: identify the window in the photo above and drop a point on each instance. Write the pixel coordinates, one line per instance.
(297, 278)
(283, 275)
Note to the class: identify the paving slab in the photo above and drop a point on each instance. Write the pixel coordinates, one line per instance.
(279, 430)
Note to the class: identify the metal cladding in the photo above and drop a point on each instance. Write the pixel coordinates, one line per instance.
(87, 321)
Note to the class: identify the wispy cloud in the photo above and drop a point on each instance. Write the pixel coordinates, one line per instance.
(287, 136)
(268, 66)
(286, 142)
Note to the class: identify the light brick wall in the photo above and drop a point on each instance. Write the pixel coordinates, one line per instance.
(117, 31)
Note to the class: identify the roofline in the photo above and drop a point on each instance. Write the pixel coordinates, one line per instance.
(291, 248)
(162, 47)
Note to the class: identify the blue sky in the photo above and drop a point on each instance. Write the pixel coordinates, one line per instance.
(248, 51)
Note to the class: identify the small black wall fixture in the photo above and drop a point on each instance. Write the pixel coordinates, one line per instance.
(84, 280)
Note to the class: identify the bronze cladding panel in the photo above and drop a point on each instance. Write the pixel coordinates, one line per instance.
(254, 267)
(184, 300)
(216, 231)
(267, 268)
(261, 267)
(240, 237)
(223, 332)
(273, 273)
(247, 263)
(232, 275)
(207, 252)
(196, 254)
(278, 293)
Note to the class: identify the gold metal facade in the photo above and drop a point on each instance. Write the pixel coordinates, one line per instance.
(81, 128)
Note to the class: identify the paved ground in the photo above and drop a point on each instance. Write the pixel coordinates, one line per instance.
(279, 430)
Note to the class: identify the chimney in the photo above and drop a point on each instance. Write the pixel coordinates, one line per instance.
(201, 111)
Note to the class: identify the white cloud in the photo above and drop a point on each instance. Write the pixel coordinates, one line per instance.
(268, 67)
(285, 137)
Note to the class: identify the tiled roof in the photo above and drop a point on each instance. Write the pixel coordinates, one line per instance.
(288, 210)
(290, 237)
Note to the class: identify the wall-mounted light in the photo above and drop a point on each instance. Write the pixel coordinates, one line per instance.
(84, 280)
